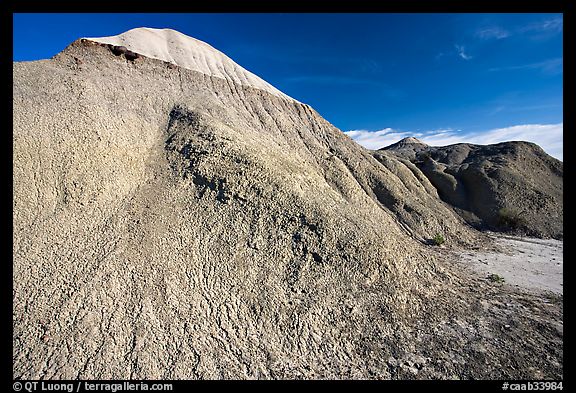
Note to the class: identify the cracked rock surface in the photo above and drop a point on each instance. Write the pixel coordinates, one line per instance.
(173, 225)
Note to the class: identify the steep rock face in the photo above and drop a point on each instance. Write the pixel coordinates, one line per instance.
(511, 186)
(173, 224)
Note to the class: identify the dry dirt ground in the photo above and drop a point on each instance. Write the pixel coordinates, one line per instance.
(499, 316)
(524, 262)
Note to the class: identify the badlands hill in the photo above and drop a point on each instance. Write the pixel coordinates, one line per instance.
(509, 186)
(175, 216)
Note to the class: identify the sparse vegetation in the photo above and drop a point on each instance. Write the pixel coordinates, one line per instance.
(496, 278)
(510, 219)
(438, 239)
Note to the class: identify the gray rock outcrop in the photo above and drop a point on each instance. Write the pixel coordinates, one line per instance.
(509, 186)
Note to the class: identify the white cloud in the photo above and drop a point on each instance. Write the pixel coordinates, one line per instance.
(492, 32)
(548, 27)
(377, 139)
(462, 52)
(547, 136)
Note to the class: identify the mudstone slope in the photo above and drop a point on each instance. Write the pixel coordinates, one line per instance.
(173, 224)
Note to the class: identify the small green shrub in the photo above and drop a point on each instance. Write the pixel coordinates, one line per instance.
(438, 239)
(495, 278)
(509, 218)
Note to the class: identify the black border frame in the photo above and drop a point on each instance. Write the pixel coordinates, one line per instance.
(359, 6)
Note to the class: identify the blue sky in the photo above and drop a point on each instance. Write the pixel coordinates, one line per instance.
(445, 78)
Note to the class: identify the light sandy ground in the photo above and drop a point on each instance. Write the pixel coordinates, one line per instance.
(530, 263)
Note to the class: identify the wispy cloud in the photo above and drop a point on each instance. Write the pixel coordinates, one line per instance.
(545, 27)
(522, 108)
(552, 25)
(461, 50)
(496, 110)
(550, 66)
(530, 108)
(370, 66)
(547, 136)
(492, 32)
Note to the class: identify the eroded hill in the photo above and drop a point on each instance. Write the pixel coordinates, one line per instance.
(170, 223)
(509, 186)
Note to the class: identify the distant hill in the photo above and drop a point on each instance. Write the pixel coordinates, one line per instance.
(510, 186)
